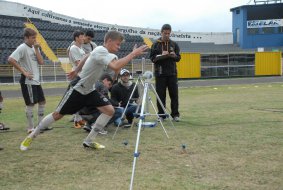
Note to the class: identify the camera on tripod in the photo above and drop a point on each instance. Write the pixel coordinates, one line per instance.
(138, 72)
(146, 75)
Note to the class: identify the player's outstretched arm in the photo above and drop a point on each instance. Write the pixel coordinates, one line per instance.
(120, 63)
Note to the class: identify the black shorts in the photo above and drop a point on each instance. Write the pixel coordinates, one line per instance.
(32, 94)
(73, 101)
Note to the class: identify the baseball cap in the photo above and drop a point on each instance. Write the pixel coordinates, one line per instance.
(123, 71)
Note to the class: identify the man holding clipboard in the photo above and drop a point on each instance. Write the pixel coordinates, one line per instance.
(164, 54)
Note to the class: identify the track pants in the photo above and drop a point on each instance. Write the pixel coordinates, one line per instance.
(161, 84)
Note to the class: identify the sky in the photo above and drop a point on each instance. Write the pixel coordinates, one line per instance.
(183, 15)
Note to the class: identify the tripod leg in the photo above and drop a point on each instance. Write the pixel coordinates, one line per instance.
(160, 102)
(136, 153)
(149, 98)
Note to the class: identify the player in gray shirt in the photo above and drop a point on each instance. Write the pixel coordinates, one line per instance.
(26, 59)
(76, 54)
(88, 45)
(83, 93)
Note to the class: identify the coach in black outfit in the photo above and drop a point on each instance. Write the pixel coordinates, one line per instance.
(164, 54)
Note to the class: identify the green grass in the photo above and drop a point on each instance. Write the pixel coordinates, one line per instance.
(17, 86)
(233, 137)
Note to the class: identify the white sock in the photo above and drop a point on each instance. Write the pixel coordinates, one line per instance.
(40, 112)
(77, 117)
(29, 115)
(45, 122)
(99, 124)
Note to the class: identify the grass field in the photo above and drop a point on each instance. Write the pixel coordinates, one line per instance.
(16, 86)
(233, 137)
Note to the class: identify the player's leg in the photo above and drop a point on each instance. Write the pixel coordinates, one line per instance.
(107, 112)
(29, 115)
(46, 121)
(28, 95)
(70, 103)
(41, 103)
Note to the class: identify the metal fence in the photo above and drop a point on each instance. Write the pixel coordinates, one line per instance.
(49, 73)
(54, 72)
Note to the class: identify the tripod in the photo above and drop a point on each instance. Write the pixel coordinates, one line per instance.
(147, 85)
(142, 111)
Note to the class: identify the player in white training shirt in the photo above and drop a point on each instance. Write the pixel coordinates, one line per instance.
(76, 54)
(26, 59)
(83, 94)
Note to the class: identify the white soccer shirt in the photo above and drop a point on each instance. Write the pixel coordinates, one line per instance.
(88, 47)
(94, 67)
(75, 54)
(26, 58)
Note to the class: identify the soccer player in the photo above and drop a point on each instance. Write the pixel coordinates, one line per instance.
(83, 94)
(76, 54)
(90, 115)
(88, 45)
(26, 59)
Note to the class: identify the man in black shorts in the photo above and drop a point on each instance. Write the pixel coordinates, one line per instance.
(26, 59)
(82, 92)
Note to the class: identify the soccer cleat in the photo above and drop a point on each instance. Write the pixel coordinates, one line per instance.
(3, 128)
(176, 119)
(87, 127)
(82, 122)
(93, 145)
(160, 119)
(127, 125)
(26, 143)
(103, 132)
(77, 125)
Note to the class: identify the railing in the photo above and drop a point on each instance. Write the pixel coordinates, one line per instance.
(49, 73)
(61, 52)
(54, 72)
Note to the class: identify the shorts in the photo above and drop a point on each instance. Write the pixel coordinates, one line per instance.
(32, 94)
(73, 101)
